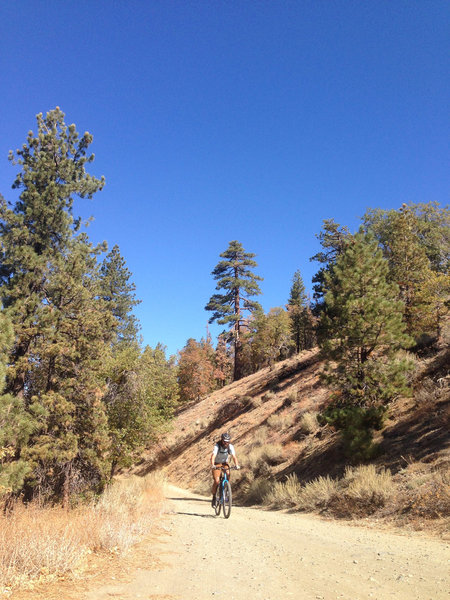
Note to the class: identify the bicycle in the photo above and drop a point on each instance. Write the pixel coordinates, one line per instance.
(223, 492)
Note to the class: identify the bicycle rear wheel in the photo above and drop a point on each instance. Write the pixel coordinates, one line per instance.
(218, 502)
(226, 499)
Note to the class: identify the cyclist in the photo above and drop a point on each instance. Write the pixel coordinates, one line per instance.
(220, 456)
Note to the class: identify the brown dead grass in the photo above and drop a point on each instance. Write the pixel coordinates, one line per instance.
(39, 543)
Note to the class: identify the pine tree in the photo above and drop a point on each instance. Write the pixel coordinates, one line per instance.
(234, 275)
(363, 330)
(334, 239)
(49, 284)
(160, 384)
(118, 292)
(271, 339)
(222, 362)
(416, 242)
(16, 424)
(39, 227)
(430, 225)
(141, 397)
(410, 270)
(302, 320)
(67, 380)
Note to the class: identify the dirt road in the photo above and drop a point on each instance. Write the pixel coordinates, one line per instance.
(259, 555)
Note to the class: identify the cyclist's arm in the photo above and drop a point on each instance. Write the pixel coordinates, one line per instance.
(213, 456)
(236, 463)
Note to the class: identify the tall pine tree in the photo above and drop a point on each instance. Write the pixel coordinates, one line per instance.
(333, 238)
(363, 329)
(119, 293)
(240, 284)
(302, 320)
(38, 228)
(49, 283)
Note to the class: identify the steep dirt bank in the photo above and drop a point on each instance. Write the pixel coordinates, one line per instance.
(414, 443)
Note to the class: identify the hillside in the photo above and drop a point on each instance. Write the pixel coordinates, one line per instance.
(271, 416)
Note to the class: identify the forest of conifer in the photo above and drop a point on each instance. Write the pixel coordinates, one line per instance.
(83, 396)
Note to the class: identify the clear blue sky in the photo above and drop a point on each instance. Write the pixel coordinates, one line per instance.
(219, 120)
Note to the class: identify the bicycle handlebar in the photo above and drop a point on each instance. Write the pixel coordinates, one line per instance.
(222, 468)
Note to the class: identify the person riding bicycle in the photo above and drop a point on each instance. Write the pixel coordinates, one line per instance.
(220, 456)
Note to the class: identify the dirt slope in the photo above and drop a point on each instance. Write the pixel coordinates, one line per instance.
(416, 436)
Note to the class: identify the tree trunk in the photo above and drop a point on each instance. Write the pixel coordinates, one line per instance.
(66, 485)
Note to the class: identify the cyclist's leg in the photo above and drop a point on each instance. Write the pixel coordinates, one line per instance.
(216, 479)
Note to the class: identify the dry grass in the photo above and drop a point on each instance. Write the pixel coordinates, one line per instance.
(255, 489)
(318, 493)
(291, 494)
(264, 456)
(428, 495)
(40, 543)
(251, 401)
(280, 421)
(364, 483)
(259, 436)
(360, 487)
(308, 422)
(284, 495)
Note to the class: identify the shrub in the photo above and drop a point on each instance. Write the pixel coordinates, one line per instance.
(362, 492)
(291, 493)
(273, 454)
(292, 397)
(308, 422)
(251, 401)
(268, 396)
(364, 483)
(261, 458)
(255, 489)
(317, 493)
(357, 425)
(284, 494)
(431, 497)
(259, 437)
(280, 421)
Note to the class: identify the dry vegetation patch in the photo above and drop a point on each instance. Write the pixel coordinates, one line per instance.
(361, 489)
(39, 543)
(308, 422)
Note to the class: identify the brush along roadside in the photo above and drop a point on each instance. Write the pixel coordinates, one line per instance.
(41, 543)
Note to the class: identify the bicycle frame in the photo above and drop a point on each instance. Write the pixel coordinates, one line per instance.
(224, 489)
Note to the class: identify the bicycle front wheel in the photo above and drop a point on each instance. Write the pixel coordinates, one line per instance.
(218, 505)
(226, 499)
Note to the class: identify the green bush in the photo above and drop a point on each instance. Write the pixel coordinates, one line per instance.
(357, 425)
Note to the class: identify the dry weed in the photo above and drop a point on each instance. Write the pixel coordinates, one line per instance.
(317, 493)
(280, 421)
(251, 401)
(255, 489)
(263, 456)
(308, 422)
(39, 543)
(365, 483)
(284, 494)
(430, 498)
(259, 437)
